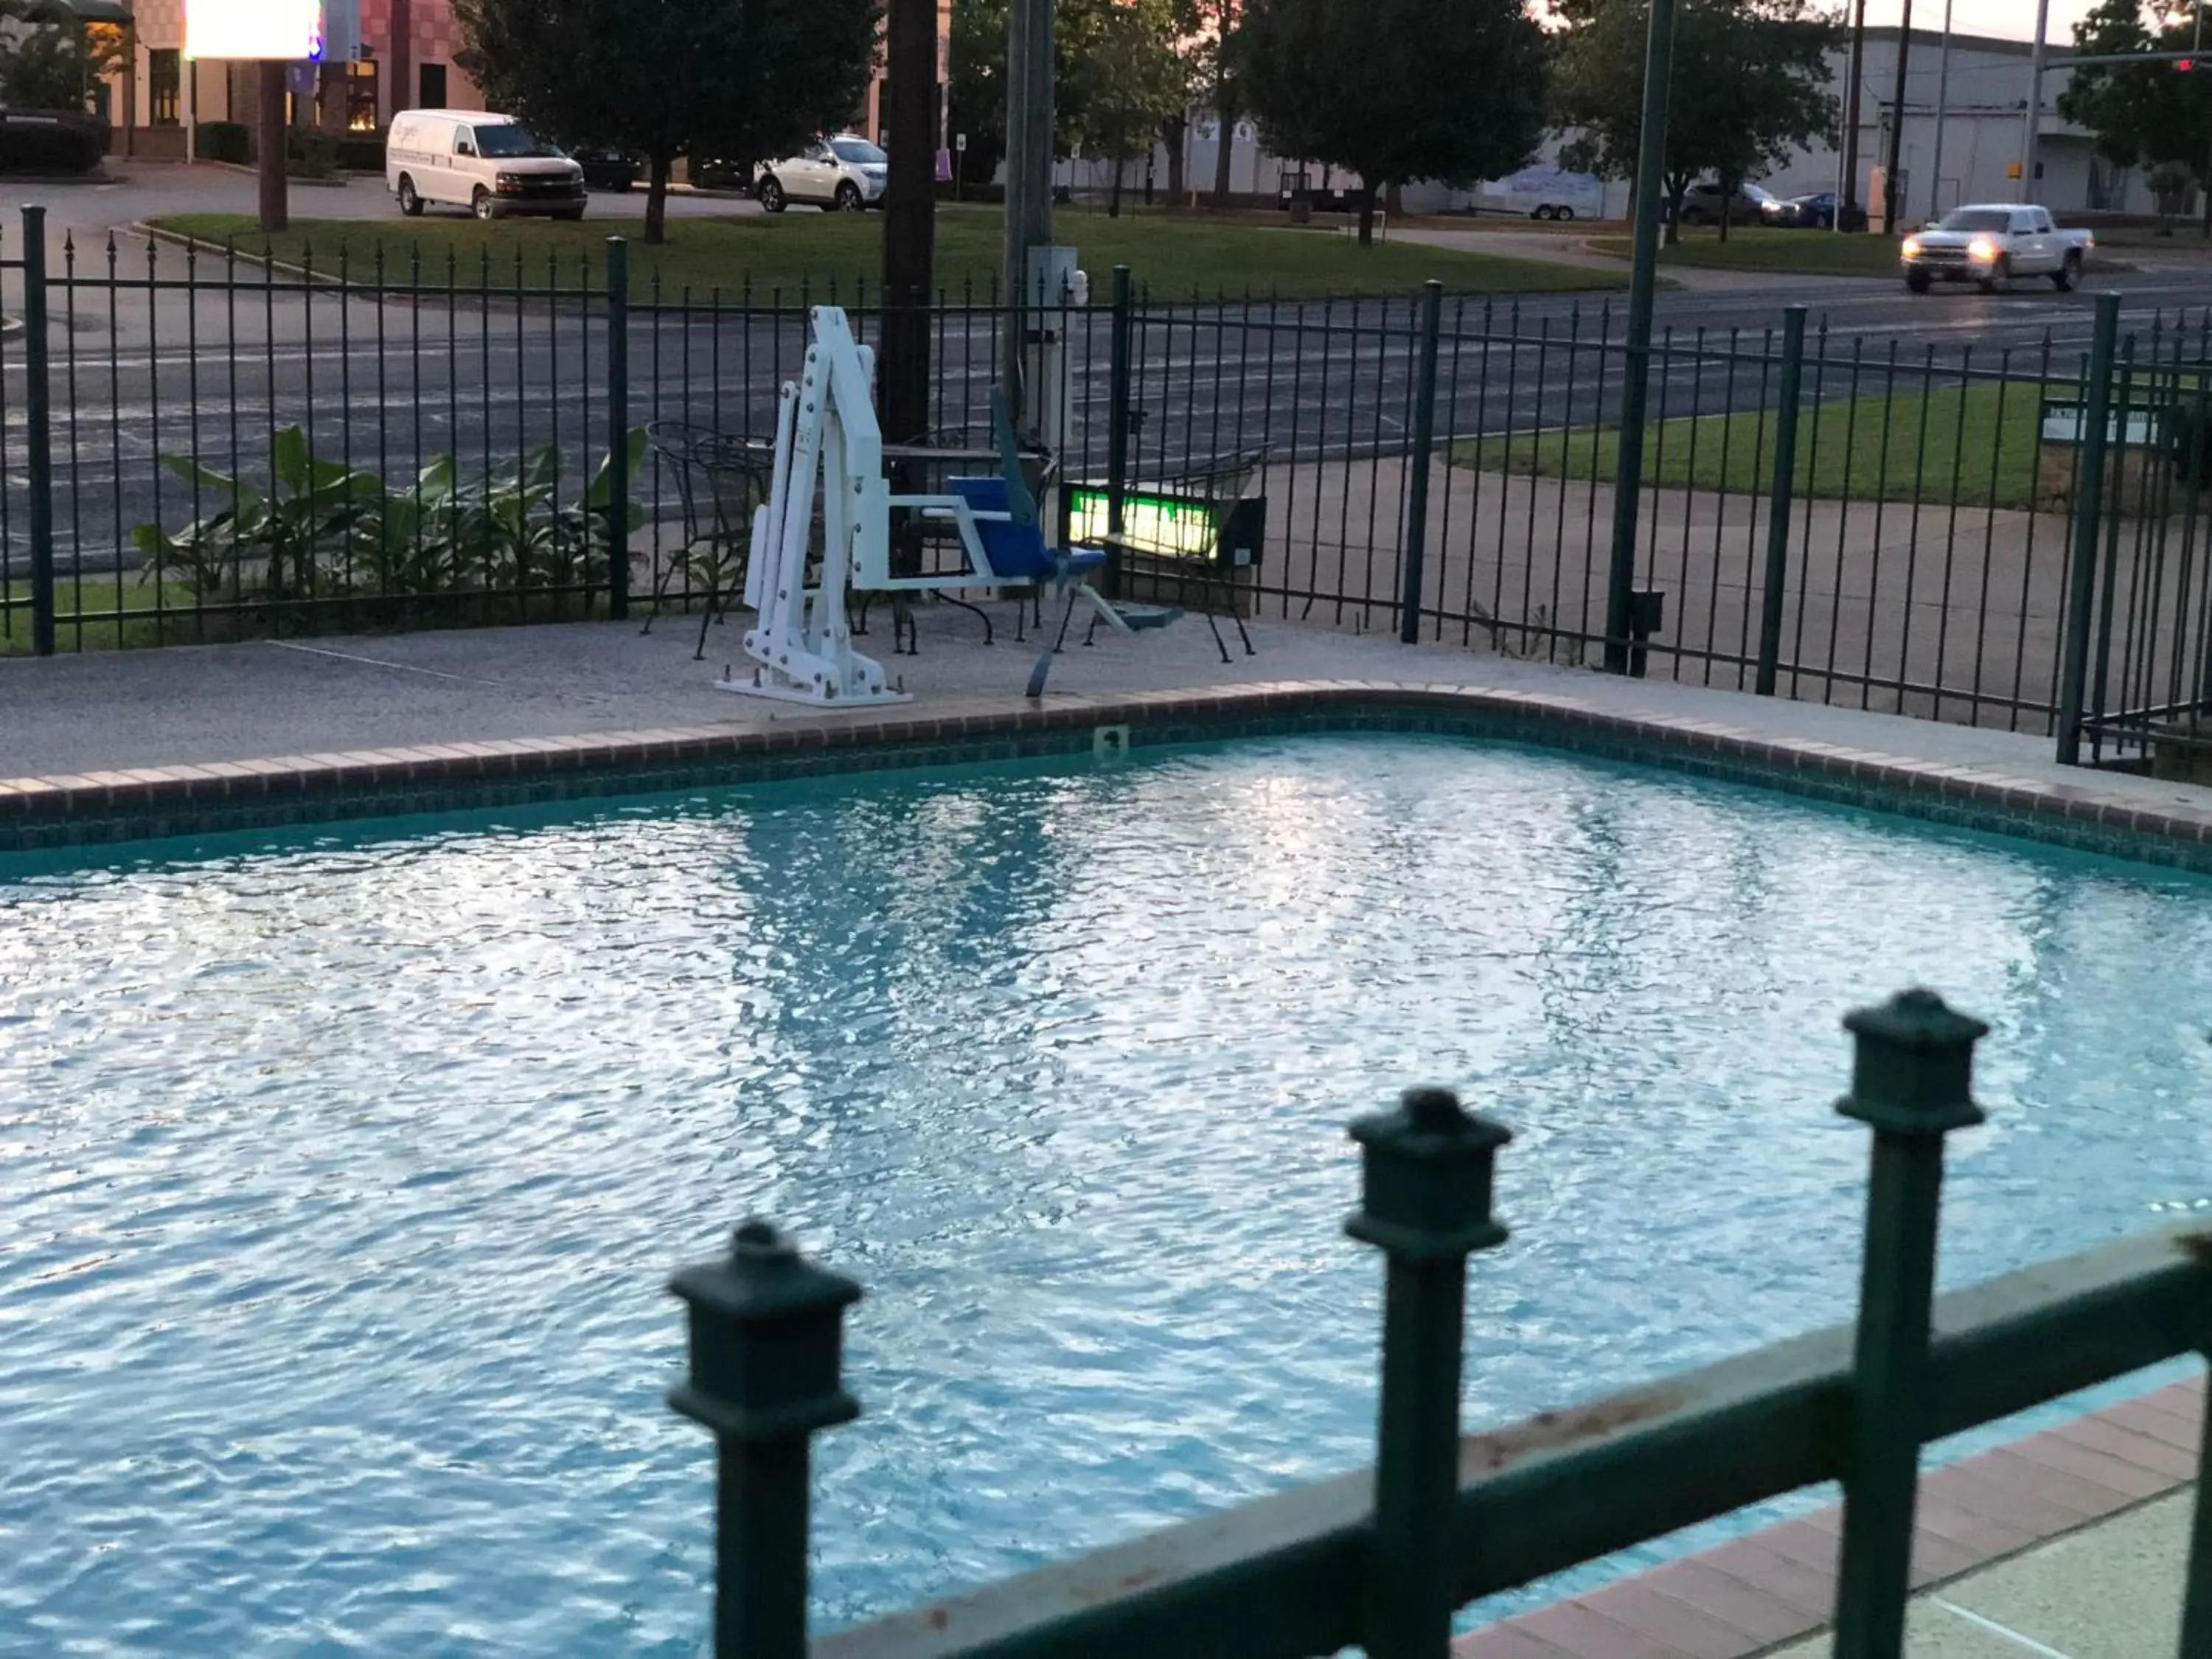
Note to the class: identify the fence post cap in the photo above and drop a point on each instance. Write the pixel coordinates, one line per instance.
(767, 1339)
(1913, 1070)
(1425, 1178)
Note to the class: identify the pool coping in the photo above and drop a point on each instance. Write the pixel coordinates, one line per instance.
(1773, 1588)
(107, 807)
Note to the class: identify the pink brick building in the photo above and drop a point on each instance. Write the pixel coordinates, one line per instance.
(406, 62)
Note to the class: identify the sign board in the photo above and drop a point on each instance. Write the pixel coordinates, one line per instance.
(291, 31)
(2012, 169)
(1164, 524)
(960, 143)
(2127, 428)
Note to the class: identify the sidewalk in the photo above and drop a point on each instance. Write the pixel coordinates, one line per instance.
(2068, 1545)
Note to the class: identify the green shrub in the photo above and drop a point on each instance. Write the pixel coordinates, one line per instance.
(223, 141)
(359, 152)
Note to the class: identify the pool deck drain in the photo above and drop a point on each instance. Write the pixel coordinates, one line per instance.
(2069, 1542)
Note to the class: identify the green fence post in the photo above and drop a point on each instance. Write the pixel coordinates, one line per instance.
(1779, 499)
(1119, 379)
(618, 427)
(1912, 1080)
(38, 430)
(1643, 289)
(767, 1338)
(1424, 433)
(2088, 510)
(1425, 1200)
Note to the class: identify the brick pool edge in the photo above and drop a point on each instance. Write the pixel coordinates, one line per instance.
(102, 808)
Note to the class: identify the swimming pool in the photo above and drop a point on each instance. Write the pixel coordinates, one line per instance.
(339, 1177)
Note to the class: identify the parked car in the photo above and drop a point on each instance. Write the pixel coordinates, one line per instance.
(844, 173)
(1702, 205)
(1993, 243)
(609, 169)
(1814, 212)
(489, 164)
(718, 173)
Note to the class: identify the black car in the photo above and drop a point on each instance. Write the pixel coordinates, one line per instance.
(1815, 212)
(717, 172)
(608, 169)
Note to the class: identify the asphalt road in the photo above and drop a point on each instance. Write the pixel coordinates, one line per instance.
(145, 370)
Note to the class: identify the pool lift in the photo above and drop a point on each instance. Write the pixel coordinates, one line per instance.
(826, 436)
(827, 439)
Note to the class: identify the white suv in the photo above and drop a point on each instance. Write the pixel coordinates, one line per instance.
(844, 173)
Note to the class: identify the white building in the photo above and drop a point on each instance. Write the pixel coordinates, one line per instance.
(1979, 89)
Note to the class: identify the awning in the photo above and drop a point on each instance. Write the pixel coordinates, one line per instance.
(87, 11)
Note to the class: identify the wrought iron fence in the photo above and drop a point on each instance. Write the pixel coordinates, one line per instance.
(1936, 531)
(1383, 1559)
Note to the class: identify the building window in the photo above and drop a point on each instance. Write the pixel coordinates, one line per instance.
(361, 115)
(165, 81)
(433, 86)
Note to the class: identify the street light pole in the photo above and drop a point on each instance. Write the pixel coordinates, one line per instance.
(275, 205)
(1028, 174)
(1943, 113)
(1847, 181)
(1889, 186)
(2029, 191)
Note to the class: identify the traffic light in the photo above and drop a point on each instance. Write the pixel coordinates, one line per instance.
(2184, 65)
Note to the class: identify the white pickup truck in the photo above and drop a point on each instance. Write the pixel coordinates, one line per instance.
(1993, 243)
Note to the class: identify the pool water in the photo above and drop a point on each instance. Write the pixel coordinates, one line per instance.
(340, 1178)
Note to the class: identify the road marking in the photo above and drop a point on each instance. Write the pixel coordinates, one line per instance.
(377, 662)
(1995, 1629)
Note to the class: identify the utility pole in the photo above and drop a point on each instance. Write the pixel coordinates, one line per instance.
(1889, 187)
(1029, 174)
(1635, 384)
(1847, 186)
(2029, 189)
(910, 217)
(275, 202)
(1943, 113)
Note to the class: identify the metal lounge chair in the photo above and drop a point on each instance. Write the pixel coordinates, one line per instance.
(720, 479)
(1009, 531)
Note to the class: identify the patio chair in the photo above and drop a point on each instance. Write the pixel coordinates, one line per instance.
(720, 479)
(1195, 556)
(1001, 513)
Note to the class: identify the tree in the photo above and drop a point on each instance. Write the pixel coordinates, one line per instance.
(50, 62)
(978, 86)
(1396, 91)
(2145, 115)
(1749, 86)
(671, 77)
(1226, 21)
(1120, 79)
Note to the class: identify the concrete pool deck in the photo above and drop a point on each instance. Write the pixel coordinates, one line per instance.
(114, 712)
(2068, 1543)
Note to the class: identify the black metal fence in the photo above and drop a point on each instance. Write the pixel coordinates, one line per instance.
(1382, 1558)
(198, 445)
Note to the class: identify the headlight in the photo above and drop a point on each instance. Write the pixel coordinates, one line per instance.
(1981, 250)
(1912, 247)
(509, 181)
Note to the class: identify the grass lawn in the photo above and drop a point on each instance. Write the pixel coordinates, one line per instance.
(1975, 445)
(97, 602)
(1754, 248)
(1172, 255)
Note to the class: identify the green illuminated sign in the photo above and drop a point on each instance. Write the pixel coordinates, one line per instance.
(1167, 526)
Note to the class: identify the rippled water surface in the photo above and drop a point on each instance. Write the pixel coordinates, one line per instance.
(339, 1178)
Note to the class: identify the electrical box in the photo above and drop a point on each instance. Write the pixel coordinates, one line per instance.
(1051, 278)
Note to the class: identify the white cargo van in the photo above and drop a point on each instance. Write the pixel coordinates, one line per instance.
(489, 164)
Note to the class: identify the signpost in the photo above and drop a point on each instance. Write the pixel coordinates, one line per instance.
(276, 34)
